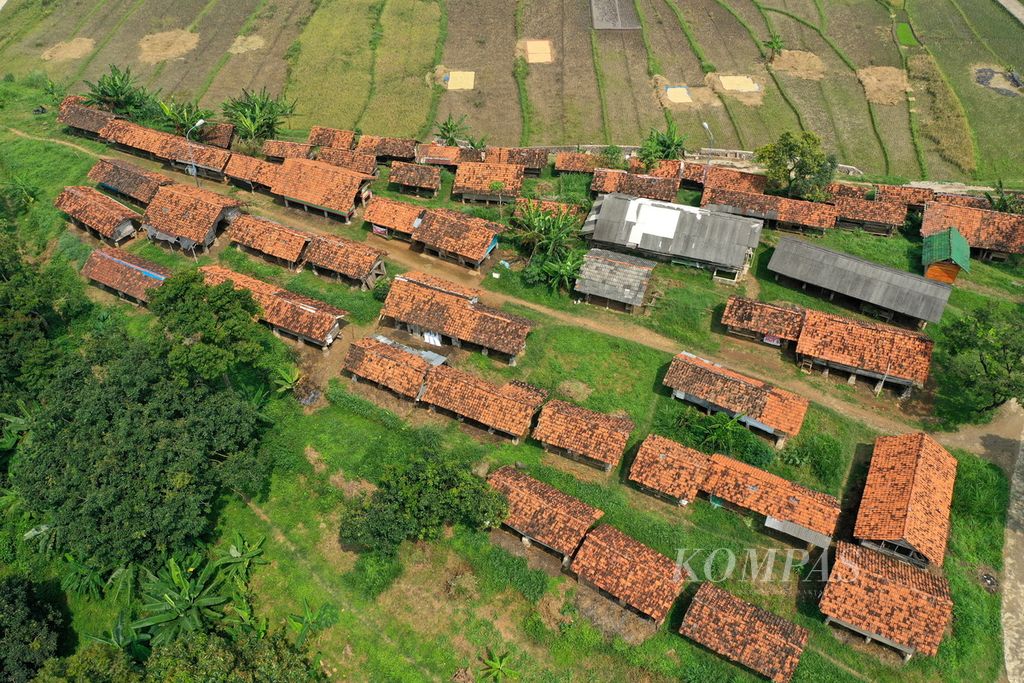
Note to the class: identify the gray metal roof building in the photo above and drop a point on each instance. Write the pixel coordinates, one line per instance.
(615, 277)
(683, 234)
(867, 281)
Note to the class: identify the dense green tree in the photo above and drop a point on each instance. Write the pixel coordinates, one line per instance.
(416, 500)
(29, 629)
(257, 115)
(183, 116)
(125, 457)
(983, 355)
(211, 658)
(119, 91)
(211, 328)
(659, 145)
(797, 165)
(95, 663)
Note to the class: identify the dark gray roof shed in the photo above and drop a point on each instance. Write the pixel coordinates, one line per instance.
(858, 278)
(613, 276)
(673, 231)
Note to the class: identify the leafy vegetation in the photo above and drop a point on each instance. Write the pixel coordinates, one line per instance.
(451, 130)
(119, 91)
(28, 631)
(183, 116)
(797, 165)
(658, 145)
(257, 116)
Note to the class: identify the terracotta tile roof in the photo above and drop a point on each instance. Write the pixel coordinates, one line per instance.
(967, 200)
(908, 494)
(439, 306)
(744, 633)
(457, 233)
(352, 259)
(320, 136)
(251, 169)
(415, 175)
(883, 596)
(393, 214)
(268, 237)
(508, 408)
(981, 228)
(138, 137)
(395, 148)
(904, 194)
(542, 512)
(291, 312)
(576, 162)
(474, 178)
(442, 285)
(784, 322)
(754, 489)
(611, 180)
(219, 134)
(75, 114)
(585, 432)
(346, 158)
(870, 346)
(446, 155)
(722, 178)
(770, 207)
(532, 158)
(94, 209)
(886, 213)
(177, 148)
(128, 179)
(693, 172)
(318, 184)
(643, 578)
(837, 189)
(665, 168)
(546, 206)
(185, 211)
(778, 409)
(670, 468)
(282, 149)
(388, 365)
(124, 272)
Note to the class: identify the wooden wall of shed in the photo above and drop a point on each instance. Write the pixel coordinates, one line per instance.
(943, 271)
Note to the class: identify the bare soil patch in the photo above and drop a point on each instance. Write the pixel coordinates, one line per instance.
(159, 47)
(800, 64)
(575, 389)
(747, 88)
(996, 79)
(243, 44)
(315, 459)
(535, 557)
(351, 487)
(72, 49)
(698, 96)
(884, 84)
(611, 619)
(418, 598)
(340, 558)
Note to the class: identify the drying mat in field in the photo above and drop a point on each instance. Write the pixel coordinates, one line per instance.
(738, 83)
(460, 80)
(614, 14)
(539, 52)
(678, 94)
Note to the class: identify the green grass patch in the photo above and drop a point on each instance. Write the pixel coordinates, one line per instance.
(905, 35)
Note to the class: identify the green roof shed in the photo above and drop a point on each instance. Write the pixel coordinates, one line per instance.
(948, 245)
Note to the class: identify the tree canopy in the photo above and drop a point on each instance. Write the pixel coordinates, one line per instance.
(798, 166)
(29, 629)
(983, 353)
(257, 115)
(658, 145)
(211, 328)
(416, 500)
(125, 458)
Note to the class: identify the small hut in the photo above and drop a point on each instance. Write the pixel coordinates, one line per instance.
(945, 254)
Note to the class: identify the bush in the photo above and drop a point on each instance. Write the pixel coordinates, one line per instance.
(28, 629)
(717, 433)
(823, 453)
(374, 573)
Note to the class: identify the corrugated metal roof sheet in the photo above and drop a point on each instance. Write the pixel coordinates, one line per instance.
(613, 276)
(895, 290)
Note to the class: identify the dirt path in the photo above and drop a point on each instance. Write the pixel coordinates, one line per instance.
(1012, 6)
(1013, 576)
(55, 141)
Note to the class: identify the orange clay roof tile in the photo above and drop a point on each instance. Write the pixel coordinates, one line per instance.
(874, 347)
(268, 237)
(664, 168)
(722, 178)
(769, 207)
(457, 233)
(784, 322)
(251, 169)
(532, 158)
(542, 512)
(282, 149)
(745, 634)
(346, 158)
(585, 432)
(650, 187)
(185, 211)
(776, 408)
(388, 365)
(320, 136)
(318, 184)
(670, 468)
(576, 162)
(128, 179)
(883, 596)
(478, 179)
(352, 259)
(392, 214)
(94, 209)
(415, 175)
(981, 228)
(508, 408)
(74, 113)
(394, 148)
(629, 571)
(124, 272)
(865, 210)
(128, 134)
(904, 194)
(908, 494)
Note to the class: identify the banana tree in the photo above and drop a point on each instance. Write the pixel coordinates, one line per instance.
(124, 636)
(179, 599)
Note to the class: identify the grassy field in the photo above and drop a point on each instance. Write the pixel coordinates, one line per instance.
(419, 627)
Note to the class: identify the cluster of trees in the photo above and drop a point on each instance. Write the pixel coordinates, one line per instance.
(257, 116)
(551, 241)
(798, 166)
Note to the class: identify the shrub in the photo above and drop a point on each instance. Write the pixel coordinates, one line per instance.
(374, 573)
(823, 453)
(716, 433)
(28, 629)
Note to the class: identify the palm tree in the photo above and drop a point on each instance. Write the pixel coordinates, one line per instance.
(117, 91)
(451, 130)
(257, 115)
(774, 45)
(662, 145)
(497, 667)
(177, 600)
